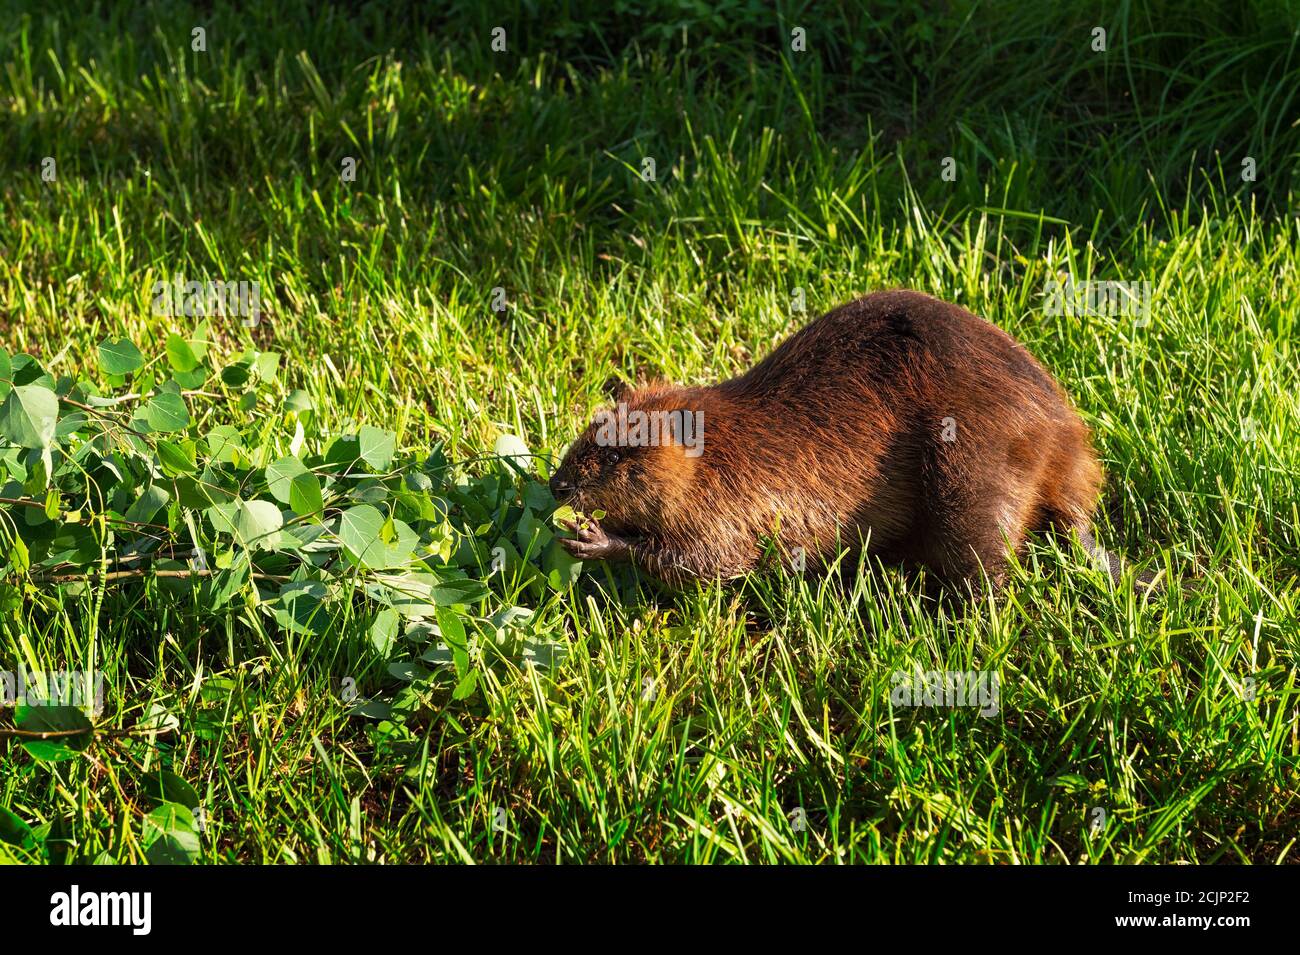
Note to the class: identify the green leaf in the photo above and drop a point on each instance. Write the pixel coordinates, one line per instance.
(377, 447)
(373, 541)
(383, 632)
(291, 483)
(152, 500)
(199, 343)
(224, 584)
(407, 671)
(54, 719)
(451, 627)
(300, 607)
(280, 474)
(166, 411)
(466, 687)
(237, 374)
(29, 415)
(305, 496)
(372, 709)
(298, 401)
(119, 357)
(538, 496)
(223, 442)
(209, 487)
(409, 594)
(310, 538)
(6, 373)
(359, 532)
(180, 354)
(19, 557)
(256, 523)
(222, 516)
(532, 535)
(513, 451)
(421, 594)
(178, 458)
(164, 787)
(266, 365)
(71, 543)
(562, 569)
(168, 835)
(15, 832)
(465, 591)
(370, 491)
(192, 379)
(563, 513)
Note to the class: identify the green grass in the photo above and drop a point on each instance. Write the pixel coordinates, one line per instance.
(821, 171)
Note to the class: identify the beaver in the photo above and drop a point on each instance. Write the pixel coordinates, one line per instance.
(898, 423)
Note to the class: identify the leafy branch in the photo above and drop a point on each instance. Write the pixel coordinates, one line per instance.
(130, 478)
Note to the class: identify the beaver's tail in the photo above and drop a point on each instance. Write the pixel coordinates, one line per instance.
(1146, 582)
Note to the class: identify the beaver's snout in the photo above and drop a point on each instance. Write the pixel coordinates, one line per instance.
(561, 487)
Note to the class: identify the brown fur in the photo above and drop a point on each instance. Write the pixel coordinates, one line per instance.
(837, 438)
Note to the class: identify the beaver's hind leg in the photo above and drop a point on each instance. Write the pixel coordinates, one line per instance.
(984, 501)
(979, 503)
(976, 533)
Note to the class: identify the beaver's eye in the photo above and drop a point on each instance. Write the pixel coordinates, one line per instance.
(611, 457)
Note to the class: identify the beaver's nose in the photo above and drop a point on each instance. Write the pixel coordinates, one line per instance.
(560, 488)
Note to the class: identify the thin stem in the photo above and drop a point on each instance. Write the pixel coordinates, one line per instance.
(58, 734)
(143, 572)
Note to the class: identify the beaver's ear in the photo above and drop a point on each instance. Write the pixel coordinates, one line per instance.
(615, 389)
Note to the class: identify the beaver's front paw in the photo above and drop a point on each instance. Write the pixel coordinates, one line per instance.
(592, 543)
